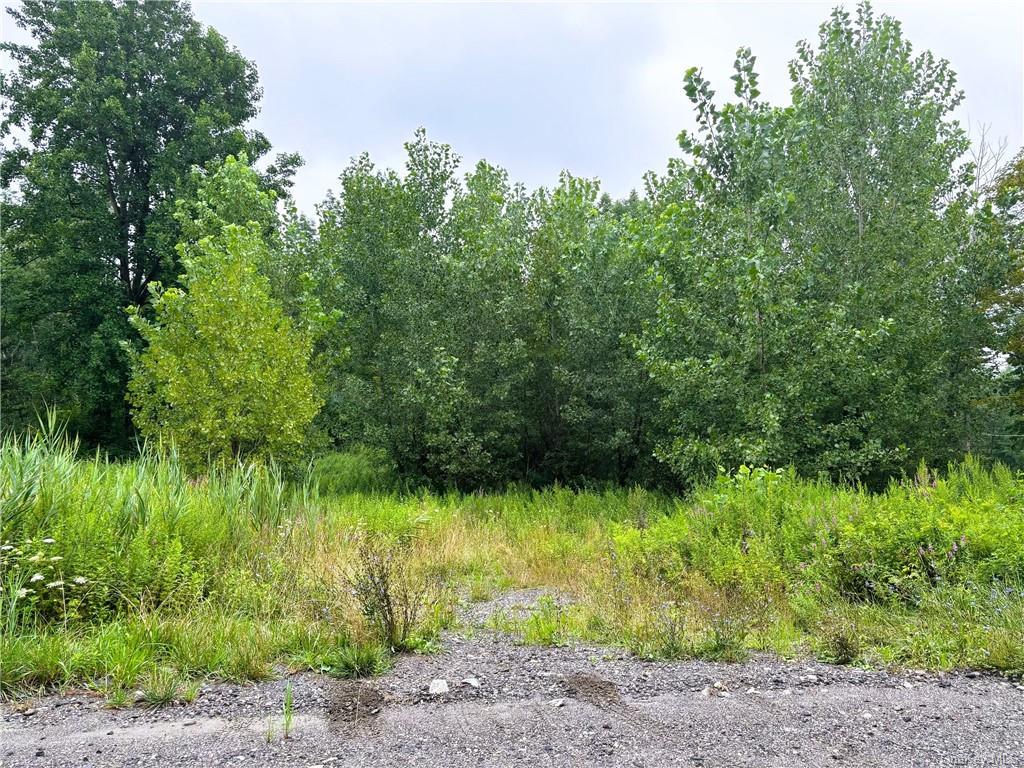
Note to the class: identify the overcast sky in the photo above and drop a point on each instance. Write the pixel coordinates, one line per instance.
(593, 88)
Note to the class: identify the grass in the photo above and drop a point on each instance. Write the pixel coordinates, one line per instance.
(288, 712)
(125, 577)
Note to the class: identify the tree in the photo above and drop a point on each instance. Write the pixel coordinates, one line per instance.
(591, 402)
(490, 330)
(225, 374)
(116, 101)
(821, 290)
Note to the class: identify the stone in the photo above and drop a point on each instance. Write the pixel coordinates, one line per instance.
(438, 687)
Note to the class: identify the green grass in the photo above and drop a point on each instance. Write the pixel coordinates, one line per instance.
(132, 576)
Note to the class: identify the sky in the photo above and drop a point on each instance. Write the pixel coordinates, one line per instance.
(537, 88)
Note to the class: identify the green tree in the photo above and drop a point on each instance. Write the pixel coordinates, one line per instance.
(490, 330)
(224, 374)
(109, 109)
(591, 402)
(821, 296)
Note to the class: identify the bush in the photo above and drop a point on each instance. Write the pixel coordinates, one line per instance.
(358, 470)
(392, 598)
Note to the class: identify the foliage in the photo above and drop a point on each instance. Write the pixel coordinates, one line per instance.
(830, 285)
(821, 288)
(488, 329)
(224, 374)
(358, 470)
(109, 109)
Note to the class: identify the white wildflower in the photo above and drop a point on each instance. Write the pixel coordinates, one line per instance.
(36, 557)
(23, 592)
(6, 548)
(81, 580)
(55, 558)
(36, 577)
(49, 541)
(54, 584)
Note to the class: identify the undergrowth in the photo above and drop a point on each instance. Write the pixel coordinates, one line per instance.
(136, 580)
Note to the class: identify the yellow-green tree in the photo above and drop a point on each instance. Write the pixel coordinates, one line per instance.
(225, 374)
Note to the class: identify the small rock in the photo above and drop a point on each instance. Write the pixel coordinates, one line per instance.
(40, 752)
(720, 685)
(438, 687)
(557, 702)
(907, 684)
(751, 690)
(866, 715)
(974, 673)
(472, 682)
(808, 678)
(707, 691)
(787, 692)
(188, 722)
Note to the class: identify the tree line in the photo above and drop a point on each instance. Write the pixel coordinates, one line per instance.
(831, 284)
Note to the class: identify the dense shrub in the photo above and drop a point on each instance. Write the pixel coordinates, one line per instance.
(358, 470)
(87, 539)
(762, 527)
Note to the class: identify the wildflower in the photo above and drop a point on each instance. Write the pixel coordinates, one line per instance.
(54, 584)
(49, 541)
(23, 592)
(36, 577)
(6, 548)
(55, 558)
(36, 557)
(80, 580)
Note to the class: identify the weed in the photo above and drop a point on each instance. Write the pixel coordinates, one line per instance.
(838, 642)
(118, 698)
(390, 597)
(161, 687)
(150, 579)
(546, 624)
(359, 660)
(289, 706)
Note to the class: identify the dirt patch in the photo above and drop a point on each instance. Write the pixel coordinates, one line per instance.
(352, 701)
(594, 690)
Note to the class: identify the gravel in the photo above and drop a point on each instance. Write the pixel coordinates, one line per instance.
(511, 705)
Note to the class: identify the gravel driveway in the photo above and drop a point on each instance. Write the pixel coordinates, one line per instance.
(510, 705)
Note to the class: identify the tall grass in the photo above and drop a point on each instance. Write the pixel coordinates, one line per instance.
(118, 574)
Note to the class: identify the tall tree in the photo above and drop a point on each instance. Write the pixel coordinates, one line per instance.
(110, 108)
(822, 294)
